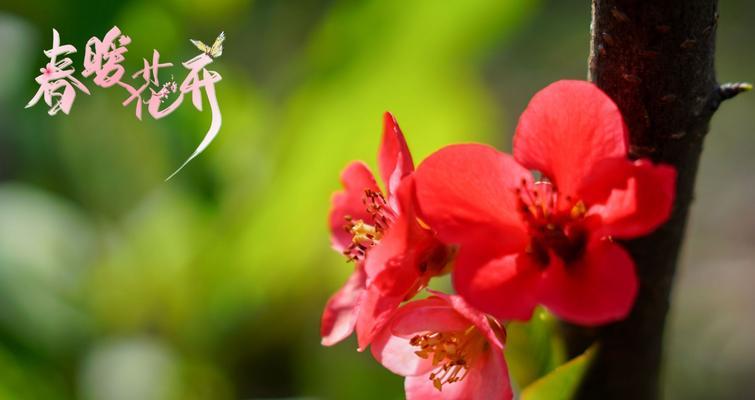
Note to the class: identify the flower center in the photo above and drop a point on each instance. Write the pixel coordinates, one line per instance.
(363, 237)
(555, 223)
(451, 353)
(368, 234)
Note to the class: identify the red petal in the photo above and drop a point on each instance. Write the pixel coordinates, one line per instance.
(566, 128)
(390, 251)
(467, 193)
(394, 159)
(383, 296)
(393, 267)
(632, 198)
(356, 177)
(430, 318)
(394, 351)
(397, 355)
(599, 288)
(340, 313)
(405, 242)
(505, 286)
(488, 378)
(473, 316)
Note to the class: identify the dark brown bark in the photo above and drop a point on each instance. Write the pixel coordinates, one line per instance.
(655, 59)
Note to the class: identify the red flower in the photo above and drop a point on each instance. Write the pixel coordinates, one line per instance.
(446, 350)
(524, 242)
(395, 255)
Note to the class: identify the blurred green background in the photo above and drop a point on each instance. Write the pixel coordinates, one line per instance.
(117, 285)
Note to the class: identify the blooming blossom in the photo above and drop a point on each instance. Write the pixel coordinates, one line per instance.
(549, 240)
(446, 350)
(394, 253)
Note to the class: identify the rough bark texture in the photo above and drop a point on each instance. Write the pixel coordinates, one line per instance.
(655, 59)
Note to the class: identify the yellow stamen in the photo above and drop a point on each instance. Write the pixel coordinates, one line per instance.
(423, 224)
(451, 353)
(363, 237)
(579, 210)
(364, 233)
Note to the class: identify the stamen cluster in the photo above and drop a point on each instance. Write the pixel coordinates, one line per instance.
(365, 235)
(554, 222)
(450, 352)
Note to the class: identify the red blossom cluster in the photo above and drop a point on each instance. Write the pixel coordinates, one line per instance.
(511, 240)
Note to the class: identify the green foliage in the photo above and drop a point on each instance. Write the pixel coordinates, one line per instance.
(534, 348)
(561, 383)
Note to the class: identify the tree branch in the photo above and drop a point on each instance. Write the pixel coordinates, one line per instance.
(656, 60)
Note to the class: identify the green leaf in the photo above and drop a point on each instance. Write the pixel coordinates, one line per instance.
(534, 348)
(562, 382)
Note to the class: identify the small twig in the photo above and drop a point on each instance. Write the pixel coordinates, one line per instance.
(727, 91)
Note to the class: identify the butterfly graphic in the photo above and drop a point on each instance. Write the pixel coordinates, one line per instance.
(217, 48)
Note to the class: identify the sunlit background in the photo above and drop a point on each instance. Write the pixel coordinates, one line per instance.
(117, 285)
